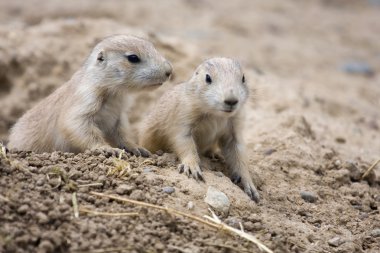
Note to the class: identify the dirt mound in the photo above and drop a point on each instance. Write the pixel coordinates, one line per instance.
(37, 213)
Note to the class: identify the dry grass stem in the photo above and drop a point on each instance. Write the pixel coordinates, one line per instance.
(166, 209)
(75, 205)
(121, 168)
(89, 185)
(370, 169)
(3, 152)
(238, 232)
(85, 210)
(147, 162)
(227, 247)
(214, 222)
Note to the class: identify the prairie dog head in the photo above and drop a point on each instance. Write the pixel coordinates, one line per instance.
(127, 61)
(220, 86)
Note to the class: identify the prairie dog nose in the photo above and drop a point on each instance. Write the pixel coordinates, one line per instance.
(168, 68)
(231, 101)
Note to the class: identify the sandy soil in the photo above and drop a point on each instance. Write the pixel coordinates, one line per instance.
(310, 126)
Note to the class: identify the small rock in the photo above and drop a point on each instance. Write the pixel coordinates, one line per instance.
(147, 170)
(217, 200)
(374, 2)
(54, 157)
(23, 209)
(340, 140)
(269, 151)
(335, 242)
(124, 189)
(308, 196)
(42, 218)
(46, 246)
(159, 152)
(375, 232)
(190, 205)
(219, 174)
(357, 68)
(168, 189)
(55, 182)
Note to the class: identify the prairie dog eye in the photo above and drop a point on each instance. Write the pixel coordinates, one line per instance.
(208, 79)
(132, 58)
(243, 79)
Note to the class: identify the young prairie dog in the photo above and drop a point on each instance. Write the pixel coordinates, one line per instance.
(87, 112)
(201, 116)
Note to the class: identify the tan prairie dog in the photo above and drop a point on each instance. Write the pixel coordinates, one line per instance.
(87, 112)
(201, 116)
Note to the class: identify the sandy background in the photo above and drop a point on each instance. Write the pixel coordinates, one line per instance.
(311, 125)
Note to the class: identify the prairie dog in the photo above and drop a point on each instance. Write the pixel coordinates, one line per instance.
(87, 112)
(200, 116)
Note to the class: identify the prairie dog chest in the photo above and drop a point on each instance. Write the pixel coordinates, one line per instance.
(208, 130)
(110, 112)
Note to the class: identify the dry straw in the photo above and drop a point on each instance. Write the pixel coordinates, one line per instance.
(370, 169)
(92, 212)
(213, 221)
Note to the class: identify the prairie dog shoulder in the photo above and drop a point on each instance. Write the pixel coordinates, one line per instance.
(200, 116)
(88, 111)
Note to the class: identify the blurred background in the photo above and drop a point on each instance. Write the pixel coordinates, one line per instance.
(320, 56)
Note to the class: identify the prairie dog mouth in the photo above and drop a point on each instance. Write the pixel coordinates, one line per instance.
(228, 110)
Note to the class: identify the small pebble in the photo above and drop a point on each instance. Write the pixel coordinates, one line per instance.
(374, 2)
(375, 232)
(335, 242)
(357, 68)
(23, 209)
(124, 189)
(168, 189)
(190, 205)
(159, 152)
(147, 170)
(269, 151)
(217, 200)
(46, 246)
(219, 174)
(40, 182)
(340, 140)
(308, 196)
(55, 182)
(42, 218)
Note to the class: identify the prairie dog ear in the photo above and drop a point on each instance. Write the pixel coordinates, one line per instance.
(100, 58)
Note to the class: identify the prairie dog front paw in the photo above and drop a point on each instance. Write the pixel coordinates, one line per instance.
(248, 186)
(191, 169)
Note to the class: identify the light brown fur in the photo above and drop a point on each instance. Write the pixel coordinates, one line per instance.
(88, 112)
(193, 118)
